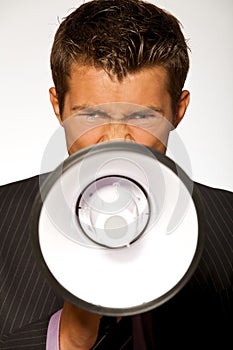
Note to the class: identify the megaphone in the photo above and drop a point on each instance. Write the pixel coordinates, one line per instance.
(117, 228)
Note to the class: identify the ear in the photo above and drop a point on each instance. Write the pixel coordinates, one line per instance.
(181, 107)
(55, 104)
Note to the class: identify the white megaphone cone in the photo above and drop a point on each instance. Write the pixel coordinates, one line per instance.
(100, 228)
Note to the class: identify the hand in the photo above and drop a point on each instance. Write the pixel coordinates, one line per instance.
(78, 328)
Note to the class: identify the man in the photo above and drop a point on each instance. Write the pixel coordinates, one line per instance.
(127, 52)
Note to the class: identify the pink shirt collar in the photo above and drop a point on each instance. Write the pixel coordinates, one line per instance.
(52, 340)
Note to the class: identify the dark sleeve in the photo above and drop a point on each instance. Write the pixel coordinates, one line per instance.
(201, 314)
(214, 274)
(26, 299)
(29, 337)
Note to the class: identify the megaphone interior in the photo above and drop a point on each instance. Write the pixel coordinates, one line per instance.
(117, 228)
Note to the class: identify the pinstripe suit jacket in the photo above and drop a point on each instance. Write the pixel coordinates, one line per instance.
(201, 314)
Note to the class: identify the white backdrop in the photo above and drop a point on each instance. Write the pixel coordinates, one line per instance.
(27, 28)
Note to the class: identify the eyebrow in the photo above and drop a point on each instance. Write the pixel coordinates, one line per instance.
(156, 109)
(90, 110)
(93, 108)
(147, 109)
(80, 107)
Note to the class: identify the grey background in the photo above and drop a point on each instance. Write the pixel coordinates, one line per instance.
(27, 28)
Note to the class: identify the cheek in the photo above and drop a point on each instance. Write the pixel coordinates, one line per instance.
(150, 141)
(89, 138)
(156, 139)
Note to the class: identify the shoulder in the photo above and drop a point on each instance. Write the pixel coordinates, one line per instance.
(16, 198)
(217, 260)
(21, 191)
(18, 183)
(213, 191)
(218, 207)
(218, 204)
(8, 188)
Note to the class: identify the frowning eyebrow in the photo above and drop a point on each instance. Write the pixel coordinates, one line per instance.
(146, 110)
(80, 107)
(88, 110)
(156, 109)
(95, 109)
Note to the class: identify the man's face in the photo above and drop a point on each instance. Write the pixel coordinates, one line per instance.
(93, 90)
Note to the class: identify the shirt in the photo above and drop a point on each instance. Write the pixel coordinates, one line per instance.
(52, 340)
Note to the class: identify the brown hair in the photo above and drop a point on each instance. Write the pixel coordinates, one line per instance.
(122, 37)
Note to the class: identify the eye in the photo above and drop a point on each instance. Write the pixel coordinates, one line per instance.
(90, 116)
(143, 116)
(95, 116)
(86, 115)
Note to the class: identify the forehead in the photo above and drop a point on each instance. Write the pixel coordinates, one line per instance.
(78, 70)
(95, 81)
(89, 86)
